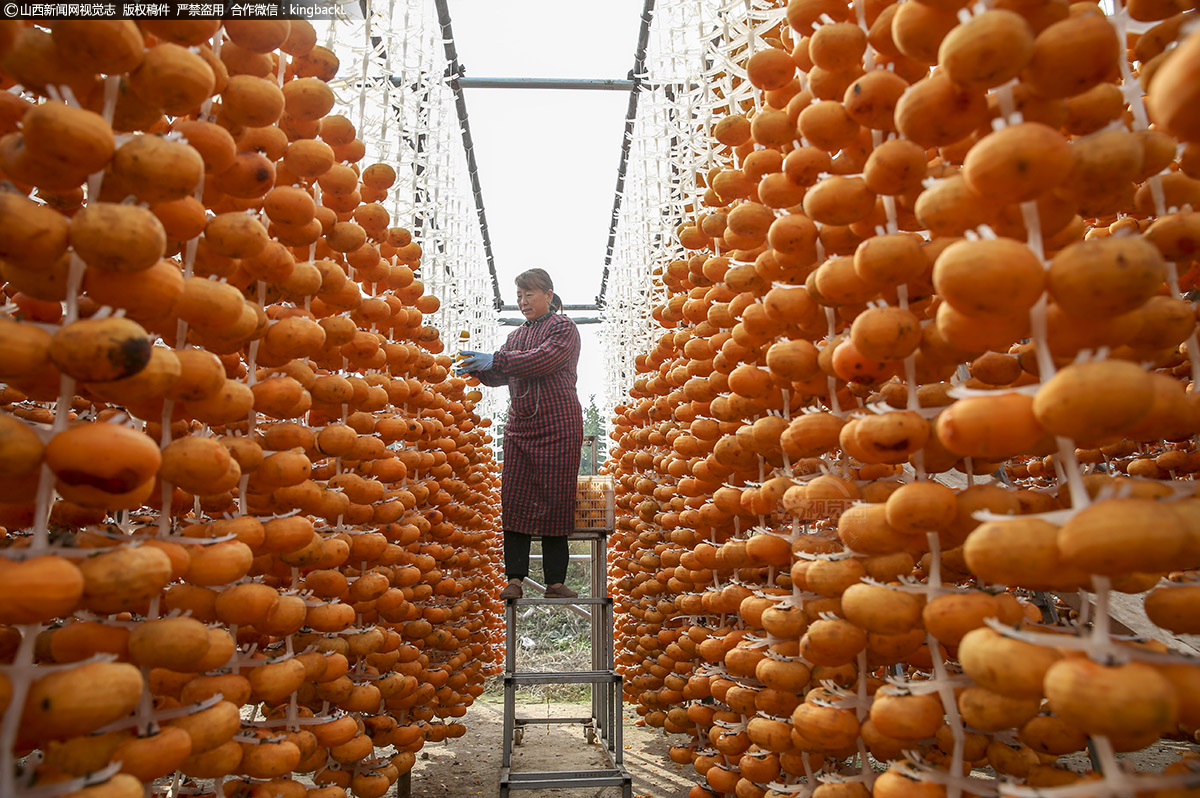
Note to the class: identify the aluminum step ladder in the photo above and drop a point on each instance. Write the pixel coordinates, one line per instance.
(603, 726)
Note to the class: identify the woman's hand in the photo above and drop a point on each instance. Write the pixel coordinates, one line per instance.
(475, 361)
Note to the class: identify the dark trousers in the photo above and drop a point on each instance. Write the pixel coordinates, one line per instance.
(555, 556)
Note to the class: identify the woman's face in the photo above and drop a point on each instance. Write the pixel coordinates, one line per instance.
(533, 302)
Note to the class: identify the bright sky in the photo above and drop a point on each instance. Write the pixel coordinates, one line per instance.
(548, 158)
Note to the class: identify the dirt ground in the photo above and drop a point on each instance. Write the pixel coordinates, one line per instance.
(470, 765)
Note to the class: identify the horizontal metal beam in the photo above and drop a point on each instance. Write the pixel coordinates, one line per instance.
(592, 306)
(519, 322)
(585, 84)
(553, 781)
(564, 779)
(567, 677)
(551, 602)
(530, 775)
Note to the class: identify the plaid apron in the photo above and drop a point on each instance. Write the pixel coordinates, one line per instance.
(544, 433)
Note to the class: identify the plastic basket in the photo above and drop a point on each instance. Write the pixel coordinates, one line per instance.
(594, 504)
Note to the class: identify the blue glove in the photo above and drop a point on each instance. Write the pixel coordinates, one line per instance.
(475, 361)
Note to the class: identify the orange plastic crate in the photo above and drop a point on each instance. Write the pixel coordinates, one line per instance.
(594, 504)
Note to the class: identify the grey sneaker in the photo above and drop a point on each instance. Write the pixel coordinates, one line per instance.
(512, 591)
(560, 591)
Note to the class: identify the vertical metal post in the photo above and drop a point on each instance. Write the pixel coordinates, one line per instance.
(510, 714)
(510, 689)
(510, 637)
(600, 577)
(615, 696)
(592, 443)
(618, 725)
(598, 632)
(404, 785)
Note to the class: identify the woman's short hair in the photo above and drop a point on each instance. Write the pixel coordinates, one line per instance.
(539, 280)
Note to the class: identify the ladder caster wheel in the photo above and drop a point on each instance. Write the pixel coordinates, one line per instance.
(589, 734)
(518, 735)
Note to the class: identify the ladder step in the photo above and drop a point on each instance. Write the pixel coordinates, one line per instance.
(569, 677)
(538, 780)
(589, 534)
(541, 602)
(540, 721)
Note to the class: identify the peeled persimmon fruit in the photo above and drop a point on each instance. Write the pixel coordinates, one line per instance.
(79, 700)
(1094, 402)
(990, 276)
(109, 457)
(990, 427)
(989, 49)
(1018, 163)
(101, 350)
(1105, 277)
(38, 589)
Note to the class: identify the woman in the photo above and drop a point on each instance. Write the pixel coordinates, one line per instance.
(543, 436)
